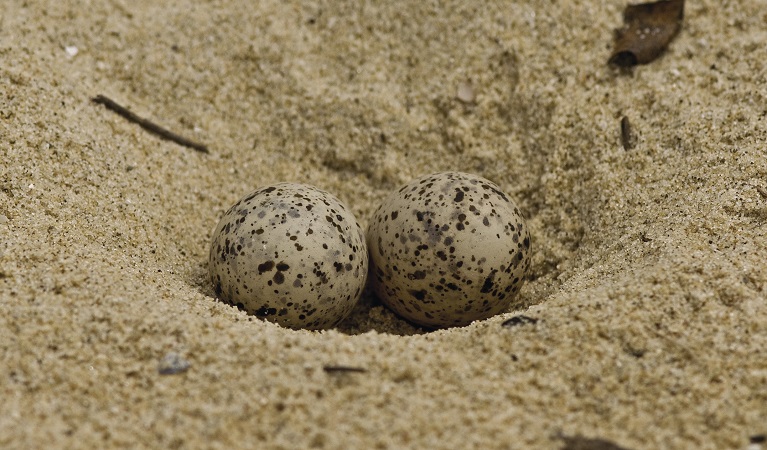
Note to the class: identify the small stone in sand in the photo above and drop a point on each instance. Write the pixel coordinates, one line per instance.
(465, 93)
(172, 364)
(519, 320)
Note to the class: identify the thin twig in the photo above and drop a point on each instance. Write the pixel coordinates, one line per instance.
(626, 139)
(148, 125)
(332, 369)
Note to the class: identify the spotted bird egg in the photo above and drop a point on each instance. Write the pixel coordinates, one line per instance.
(291, 254)
(448, 249)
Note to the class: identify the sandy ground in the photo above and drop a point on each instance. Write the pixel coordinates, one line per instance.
(649, 279)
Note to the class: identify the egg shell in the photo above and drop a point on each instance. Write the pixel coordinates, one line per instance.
(291, 254)
(448, 249)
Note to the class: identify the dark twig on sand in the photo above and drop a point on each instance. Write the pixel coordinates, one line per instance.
(337, 369)
(626, 138)
(148, 125)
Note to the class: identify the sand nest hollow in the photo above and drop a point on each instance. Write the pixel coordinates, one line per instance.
(648, 279)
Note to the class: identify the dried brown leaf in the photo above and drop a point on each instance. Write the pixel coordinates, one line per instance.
(648, 28)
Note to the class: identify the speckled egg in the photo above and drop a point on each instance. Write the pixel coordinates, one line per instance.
(291, 254)
(448, 249)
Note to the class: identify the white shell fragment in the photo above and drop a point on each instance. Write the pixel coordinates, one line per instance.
(291, 254)
(71, 51)
(448, 249)
(465, 92)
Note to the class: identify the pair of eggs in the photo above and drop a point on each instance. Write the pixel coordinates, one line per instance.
(444, 250)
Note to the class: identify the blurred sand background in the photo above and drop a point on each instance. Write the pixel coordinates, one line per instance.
(650, 268)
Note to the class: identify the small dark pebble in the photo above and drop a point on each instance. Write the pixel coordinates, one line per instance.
(582, 443)
(635, 352)
(758, 439)
(519, 320)
(340, 369)
(172, 364)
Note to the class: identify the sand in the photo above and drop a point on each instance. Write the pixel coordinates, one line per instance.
(649, 279)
